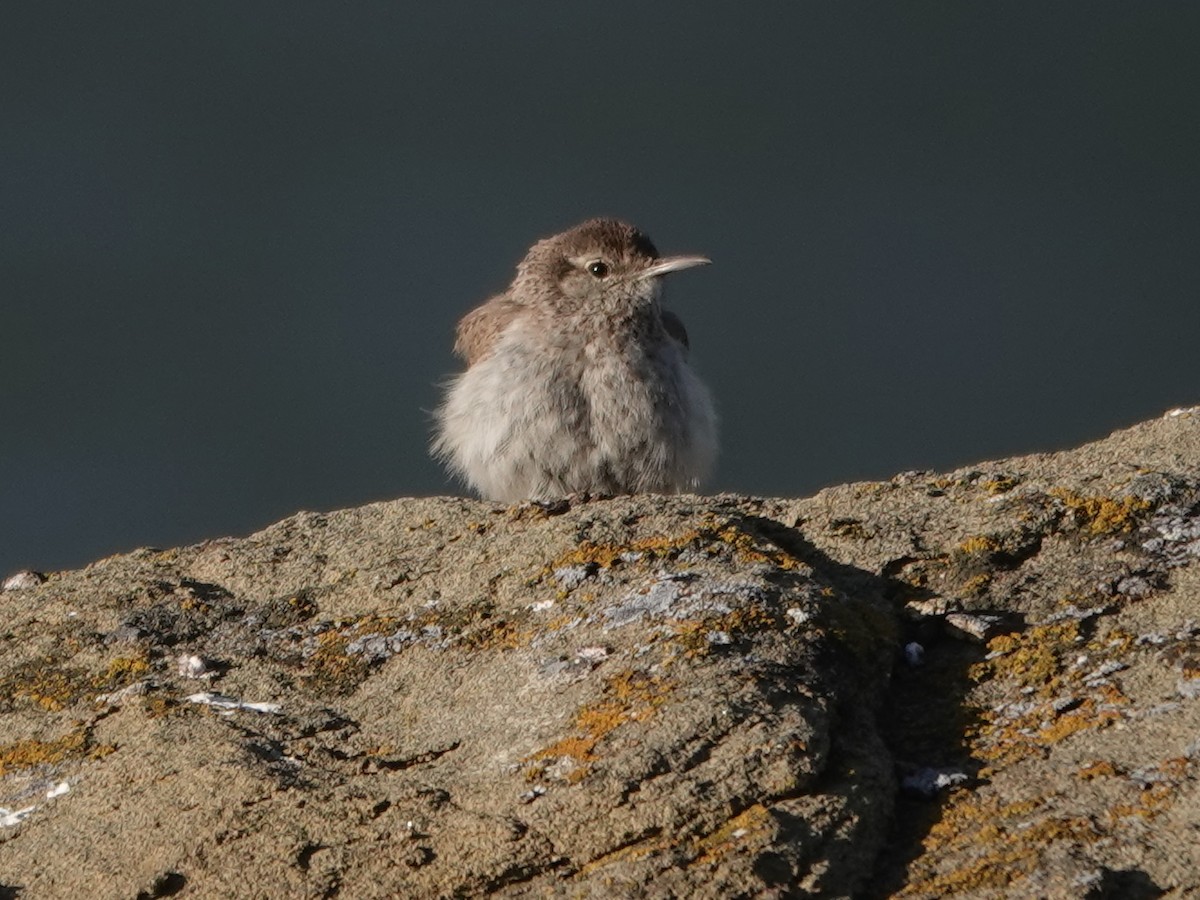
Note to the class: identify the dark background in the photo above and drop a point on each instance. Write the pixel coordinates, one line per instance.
(235, 238)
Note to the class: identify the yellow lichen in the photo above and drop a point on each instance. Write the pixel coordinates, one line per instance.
(849, 528)
(693, 634)
(156, 707)
(1035, 661)
(1102, 515)
(331, 667)
(750, 549)
(977, 584)
(1031, 658)
(52, 686)
(122, 671)
(1099, 769)
(28, 753)
(748, 825)
(1086, 718)
(1154, 800)
(979, 545)
(46, 683)
(303, 604)
(999, 485)
(1001, 741)
(1011, 844)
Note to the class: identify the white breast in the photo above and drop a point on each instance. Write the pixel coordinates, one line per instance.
(545, 415)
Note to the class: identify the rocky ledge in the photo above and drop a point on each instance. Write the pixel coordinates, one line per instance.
(983, 683)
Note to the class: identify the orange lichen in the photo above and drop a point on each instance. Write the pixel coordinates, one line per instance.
(693, 634)
(1085, 718)
(629, 696)
(1151, 803)
(1155, 799)
(749, 548)
(711, 539)
(849, 528)
(1001, 741)
(156, 707)
(1176, 767)
(628, 853)
(1012, 859)
(608, 555)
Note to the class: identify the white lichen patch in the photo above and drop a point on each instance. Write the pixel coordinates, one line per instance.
(117, 697)
(232, 704)
(376, 647)
(682, 595)
(571, 577)
(11, 817)
(1176, 536)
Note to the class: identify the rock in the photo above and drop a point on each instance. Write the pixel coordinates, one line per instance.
(974, 627)
(24, 580)
(632, 697)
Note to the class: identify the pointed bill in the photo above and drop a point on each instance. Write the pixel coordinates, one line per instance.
(672, 264)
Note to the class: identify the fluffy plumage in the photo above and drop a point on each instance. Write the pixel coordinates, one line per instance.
(577, 380)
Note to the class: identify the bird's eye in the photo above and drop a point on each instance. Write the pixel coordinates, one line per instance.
(598, 268)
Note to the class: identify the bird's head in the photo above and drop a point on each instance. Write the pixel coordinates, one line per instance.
(601, 264)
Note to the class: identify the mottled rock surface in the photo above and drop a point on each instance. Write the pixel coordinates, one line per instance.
(984, 683)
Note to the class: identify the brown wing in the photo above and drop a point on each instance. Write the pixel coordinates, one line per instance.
(479, 329)
(674, 326)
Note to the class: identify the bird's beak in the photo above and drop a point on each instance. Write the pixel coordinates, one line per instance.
(672, 264)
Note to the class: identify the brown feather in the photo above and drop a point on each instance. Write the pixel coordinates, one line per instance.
(479, 329)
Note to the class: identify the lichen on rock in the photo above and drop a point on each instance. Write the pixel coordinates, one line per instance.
(666, 696)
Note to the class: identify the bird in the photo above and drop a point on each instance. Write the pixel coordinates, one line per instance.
(577, 380)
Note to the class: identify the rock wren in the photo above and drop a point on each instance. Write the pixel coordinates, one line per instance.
(577, 379)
